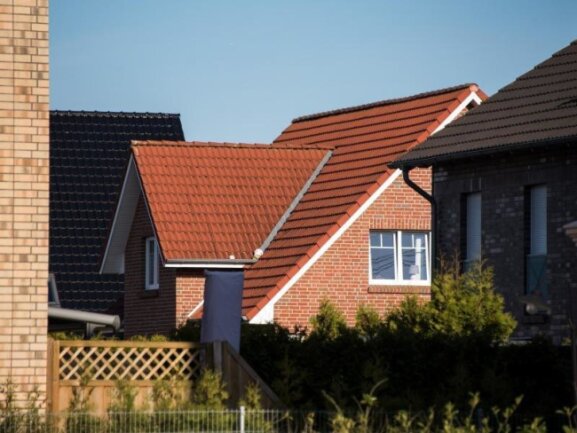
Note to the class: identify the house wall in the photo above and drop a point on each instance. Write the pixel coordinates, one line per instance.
(342, 273)
(24, 185)
(502, 181)
(146, 311)
(189, 292)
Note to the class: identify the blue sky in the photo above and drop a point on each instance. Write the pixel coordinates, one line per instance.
(241, 70)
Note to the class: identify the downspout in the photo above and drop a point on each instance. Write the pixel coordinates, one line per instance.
(431, 200)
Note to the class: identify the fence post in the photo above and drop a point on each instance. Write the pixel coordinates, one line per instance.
(54, 376)
(242, 419)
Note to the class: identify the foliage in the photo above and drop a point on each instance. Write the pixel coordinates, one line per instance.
(209, 392)
(329, 323)
(367, 321)
(462, 305)
(255, 417)
(430, 354)
(15, 419)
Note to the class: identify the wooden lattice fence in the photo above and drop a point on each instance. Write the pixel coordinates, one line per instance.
(106, 362)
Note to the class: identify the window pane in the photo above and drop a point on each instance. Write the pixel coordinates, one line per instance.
(150, 262)
(375, 239)
(414, 256)
(474, 226)
(383, 264)
(539, 220)
(388, 239)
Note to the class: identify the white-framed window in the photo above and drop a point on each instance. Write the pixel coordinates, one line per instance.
(399, 257)
(151, 264)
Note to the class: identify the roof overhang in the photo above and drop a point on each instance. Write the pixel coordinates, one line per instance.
(113, 258)
(209, 263)
(473, 97)
(489, 151)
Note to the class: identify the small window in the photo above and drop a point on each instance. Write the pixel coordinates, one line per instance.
(399, 257)
(151, 264)
(472, 219)
(536, 260)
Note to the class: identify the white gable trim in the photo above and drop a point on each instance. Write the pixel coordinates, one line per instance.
(473, 97)
(195, 309)
(266, 314)
(113, 260)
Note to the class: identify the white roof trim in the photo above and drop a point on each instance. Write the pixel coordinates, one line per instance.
(113, 260)
(195, 309)
(207, 265)
(264, 315)
(473, 97)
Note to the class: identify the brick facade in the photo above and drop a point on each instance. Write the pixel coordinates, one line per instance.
(24, 185)
(162, 310)
(342, 273)
(503, 181)
(146, 311)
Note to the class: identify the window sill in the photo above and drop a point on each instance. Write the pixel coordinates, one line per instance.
(150, 293)
(408, 289)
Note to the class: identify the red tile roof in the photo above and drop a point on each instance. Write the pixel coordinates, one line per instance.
(365, 140)
(210, 201)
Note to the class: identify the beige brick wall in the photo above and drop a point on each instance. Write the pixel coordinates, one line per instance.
(24, 185)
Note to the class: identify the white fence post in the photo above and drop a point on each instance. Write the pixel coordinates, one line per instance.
(241, 420)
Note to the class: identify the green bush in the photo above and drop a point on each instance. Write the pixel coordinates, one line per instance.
(329, 323)
(462, 305)
(430, 353)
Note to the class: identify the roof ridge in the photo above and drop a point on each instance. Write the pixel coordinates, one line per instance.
(383, 102)
(214, 144)
(112, 113)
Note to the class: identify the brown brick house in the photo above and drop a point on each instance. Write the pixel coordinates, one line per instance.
(339, 224)
(504, 179)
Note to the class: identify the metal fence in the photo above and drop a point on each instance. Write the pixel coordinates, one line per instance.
(209, 421)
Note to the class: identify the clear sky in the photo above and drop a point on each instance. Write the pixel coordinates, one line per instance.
(241, 70)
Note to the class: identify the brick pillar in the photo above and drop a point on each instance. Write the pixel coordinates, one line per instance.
(24, 186)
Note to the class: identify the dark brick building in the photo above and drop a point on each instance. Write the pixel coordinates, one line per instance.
(504, 178)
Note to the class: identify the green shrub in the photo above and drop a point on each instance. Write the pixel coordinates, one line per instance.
(329, 323)
(367, 321)
(462, 305)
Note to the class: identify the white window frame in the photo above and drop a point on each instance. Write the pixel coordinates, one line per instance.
(399, 281)
(151, 285)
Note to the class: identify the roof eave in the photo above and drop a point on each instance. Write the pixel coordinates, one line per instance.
(526, 145)
(209, 263)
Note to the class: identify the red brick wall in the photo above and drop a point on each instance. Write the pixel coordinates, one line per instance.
(146, 311)
(342, 273)
(189, 291)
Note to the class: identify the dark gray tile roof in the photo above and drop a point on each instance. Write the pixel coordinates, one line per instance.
(538, 108)
(88, 155)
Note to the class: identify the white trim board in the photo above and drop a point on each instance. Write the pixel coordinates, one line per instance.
(207, 265)
(264, 315)
(473, 97)
(113, 259)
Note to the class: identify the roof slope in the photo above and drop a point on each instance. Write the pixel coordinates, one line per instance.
(88, 155)
(210, 201)
(538, 107)
(365, 139)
